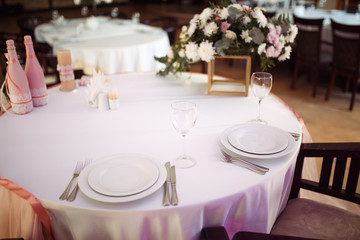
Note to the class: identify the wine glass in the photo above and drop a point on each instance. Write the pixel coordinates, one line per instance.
(261, 83)
(183, 117)
(84, 11)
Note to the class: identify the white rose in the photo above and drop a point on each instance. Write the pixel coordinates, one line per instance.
(205, 14)
(191, 29)
(182, 53)
(230, 34)
(286, 54)
(210, 29)
(176, 65)
(224, 13)
(191, 51)
(206, 51)
(170, 54)
(245, 35)
(262, 48)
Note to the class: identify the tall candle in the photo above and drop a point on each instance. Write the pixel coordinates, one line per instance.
(66, 72)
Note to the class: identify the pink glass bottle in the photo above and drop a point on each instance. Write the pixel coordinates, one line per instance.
(35, 75)
(17, 83)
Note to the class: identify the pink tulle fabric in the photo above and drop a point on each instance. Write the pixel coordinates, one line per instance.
(22, 214)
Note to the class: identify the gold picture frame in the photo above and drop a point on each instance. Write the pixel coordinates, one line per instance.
(227, 85)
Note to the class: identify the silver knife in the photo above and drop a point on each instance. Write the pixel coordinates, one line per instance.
(166, 199)
(174, 196)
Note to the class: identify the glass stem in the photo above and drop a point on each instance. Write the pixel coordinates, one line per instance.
(184, 146)
(259, 108)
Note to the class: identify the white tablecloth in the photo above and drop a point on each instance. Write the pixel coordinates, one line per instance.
(39, 151)
(114, 46)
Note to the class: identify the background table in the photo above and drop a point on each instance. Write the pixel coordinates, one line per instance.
(40, 151)
(337, 15)
(115, 46)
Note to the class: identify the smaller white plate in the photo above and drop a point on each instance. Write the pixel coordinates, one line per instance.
(123, 176)
(258, 139)
(232, 151)
(89, 192)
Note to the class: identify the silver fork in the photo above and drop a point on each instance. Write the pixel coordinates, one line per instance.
(251, 166)
(79, 166)
(72, 195)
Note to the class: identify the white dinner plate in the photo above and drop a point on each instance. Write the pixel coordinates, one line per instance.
(231, 150)
(258, 139)
(89, 192)
(123, 176)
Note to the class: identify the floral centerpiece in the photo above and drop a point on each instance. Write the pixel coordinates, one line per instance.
(230, 29)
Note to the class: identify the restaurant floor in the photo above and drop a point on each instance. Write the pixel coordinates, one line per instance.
(326, 121)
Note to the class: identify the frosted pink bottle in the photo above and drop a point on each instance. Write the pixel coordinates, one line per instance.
(35, 75)
(17, 83)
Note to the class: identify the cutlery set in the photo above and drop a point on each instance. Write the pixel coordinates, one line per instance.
(80, 165)
(170, 181)
(246, 164)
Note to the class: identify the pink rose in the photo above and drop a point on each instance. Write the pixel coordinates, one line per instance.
(270, 51)
(217, 18)
(278, 49)
(224, 26)
(273, 37)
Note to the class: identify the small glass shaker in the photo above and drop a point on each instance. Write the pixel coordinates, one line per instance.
(135, 18)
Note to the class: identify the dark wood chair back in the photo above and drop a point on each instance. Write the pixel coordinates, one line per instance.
(346, 57)
(308, 49)
(346, 46)
(308, 40)
(335, 158)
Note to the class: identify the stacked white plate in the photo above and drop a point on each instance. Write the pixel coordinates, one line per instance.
(255, 141)
(122, 178)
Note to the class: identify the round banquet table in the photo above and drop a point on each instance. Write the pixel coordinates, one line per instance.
(40, 151)
(116, 45)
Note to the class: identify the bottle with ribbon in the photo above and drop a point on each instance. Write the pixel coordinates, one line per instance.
(16, 82)
(35, 75)
(66, 72)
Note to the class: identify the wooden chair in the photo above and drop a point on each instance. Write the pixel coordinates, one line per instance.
(346, 59)
(308, 49)
(22, 216)
(308, 219)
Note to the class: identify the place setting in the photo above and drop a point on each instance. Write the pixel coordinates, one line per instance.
(256, 139)
(122, 177)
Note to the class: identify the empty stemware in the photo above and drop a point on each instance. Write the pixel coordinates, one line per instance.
(261, 83)
(183, 116)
